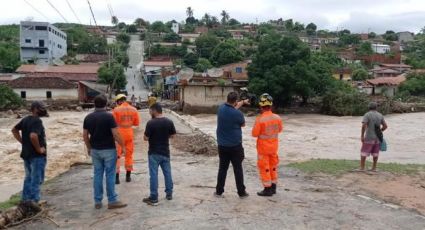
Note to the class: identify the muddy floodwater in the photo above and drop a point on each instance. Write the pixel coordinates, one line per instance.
(304, 137)
(318, 136)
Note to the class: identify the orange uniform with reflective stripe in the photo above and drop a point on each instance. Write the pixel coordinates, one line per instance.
(126, 117)
(266, 129)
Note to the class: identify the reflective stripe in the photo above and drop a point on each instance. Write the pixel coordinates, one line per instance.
(268, 137)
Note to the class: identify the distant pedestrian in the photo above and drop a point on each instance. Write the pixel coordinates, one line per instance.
(158, 132)
(229, 137)
(100, 134)
(373, 125)
(30, 133)
(266, 129)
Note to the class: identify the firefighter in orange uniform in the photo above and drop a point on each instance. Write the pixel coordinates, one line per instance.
(126, 117)
(266, 129)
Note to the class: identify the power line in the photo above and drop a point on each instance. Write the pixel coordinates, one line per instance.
(91, 10)
(36, 10)
(73, 11)
(110, 7)
(57, 11)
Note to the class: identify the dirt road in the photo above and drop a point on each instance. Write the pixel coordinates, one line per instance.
(302, 202)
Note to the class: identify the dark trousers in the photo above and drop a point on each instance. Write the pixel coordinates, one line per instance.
(227, 155)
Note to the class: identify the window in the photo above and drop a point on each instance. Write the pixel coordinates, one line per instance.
(23, 94)
(50, 29)
(238, 69)
(41, 51)
(49, 94)
(41, 43)
(27, 40)
(40, 27)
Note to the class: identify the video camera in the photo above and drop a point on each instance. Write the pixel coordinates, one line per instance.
(246, 95)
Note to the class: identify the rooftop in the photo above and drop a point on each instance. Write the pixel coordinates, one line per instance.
(72, 77)
(41, 83)
(396, 65)
(88, 68)
(387, 80)
(158, 63)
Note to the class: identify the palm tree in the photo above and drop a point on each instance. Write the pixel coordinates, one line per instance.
(225, 17)
(189, 12)
(206, 19)
(114, 20)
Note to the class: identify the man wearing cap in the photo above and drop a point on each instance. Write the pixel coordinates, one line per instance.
(373, 125)
(30, 133)
(266, 129)
(126, 117)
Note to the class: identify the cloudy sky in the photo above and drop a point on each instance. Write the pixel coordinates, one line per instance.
(356, 15)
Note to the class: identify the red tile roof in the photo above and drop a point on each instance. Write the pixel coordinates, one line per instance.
(158, 63)
(5, 78)
(396, 65)
(77, 69)
(72, 77)
(41, 83)
(387, 80)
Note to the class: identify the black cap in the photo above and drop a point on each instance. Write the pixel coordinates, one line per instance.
(42, 111)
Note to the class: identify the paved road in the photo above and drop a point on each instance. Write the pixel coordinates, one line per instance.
(135, 85)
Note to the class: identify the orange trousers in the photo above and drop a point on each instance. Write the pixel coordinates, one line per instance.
(267, 167)
(129, 148)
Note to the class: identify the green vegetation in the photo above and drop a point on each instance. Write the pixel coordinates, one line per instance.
(9, 48)
(13, 201)
(113, 76)
(365, 49)
(172, 37)
(344, 100)
(360, 74)
(205, 45)
(339, 167)
(416, 52)
(8, 98)
(203, 65)
(414, 85)
(225, 53)
(83, 42)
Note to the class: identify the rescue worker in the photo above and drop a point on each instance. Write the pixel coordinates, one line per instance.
(126, 117)
(151, 99)
(266, 129)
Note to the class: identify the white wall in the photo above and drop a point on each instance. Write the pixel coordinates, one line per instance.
(380, 48)
(57, 94)
(205, 95)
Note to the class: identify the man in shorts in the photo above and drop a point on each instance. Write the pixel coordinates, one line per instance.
(373, 121)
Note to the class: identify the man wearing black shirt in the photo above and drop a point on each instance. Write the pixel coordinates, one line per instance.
(100, 133)
(30, 133)
(158, 131)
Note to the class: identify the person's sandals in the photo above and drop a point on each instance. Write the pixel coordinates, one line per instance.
(98, 206)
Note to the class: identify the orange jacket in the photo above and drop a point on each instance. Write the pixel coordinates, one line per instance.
(126, 116)
(267, 128)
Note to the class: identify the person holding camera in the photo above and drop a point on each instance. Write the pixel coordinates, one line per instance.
(229, 137)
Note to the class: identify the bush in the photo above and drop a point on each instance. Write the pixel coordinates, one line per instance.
(9, 99)
(345, 101)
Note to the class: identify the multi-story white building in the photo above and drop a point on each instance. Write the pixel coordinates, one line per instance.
(41, 42)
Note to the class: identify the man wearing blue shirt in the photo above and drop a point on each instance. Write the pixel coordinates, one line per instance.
(229, 137)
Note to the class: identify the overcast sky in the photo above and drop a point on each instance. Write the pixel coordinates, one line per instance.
(355, 15)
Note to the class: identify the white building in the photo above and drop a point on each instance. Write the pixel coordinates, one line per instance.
(44, 88)
(381, 48)
(175, 27)
(41, 42)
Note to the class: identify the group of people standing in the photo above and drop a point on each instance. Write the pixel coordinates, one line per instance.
(109, 138)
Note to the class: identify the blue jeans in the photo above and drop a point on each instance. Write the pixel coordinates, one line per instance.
(34, 177)
(156, 160)
(104, 162)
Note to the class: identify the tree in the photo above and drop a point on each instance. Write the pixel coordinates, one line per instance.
(114, 20)
(344, 100)
(372, 35)
(221, 32)
(285, 68)
(203, 65)
(360, 74)
(80, 41)
(311, 29)
(171, 37)
(390, 36)
(124, 38)
(9, 57)
(226, 53)
(349, 39)
(112, 75)
(414, 85)
(8, 98)
(233, 22)
(289, 25)
(121, 25)
(344, 32)
(158, 27)
(132, 28)
(298, 27)
(190, 60)
(365, 49)
(205, 44)
(224, 17)
(189, 12)
(140, 22)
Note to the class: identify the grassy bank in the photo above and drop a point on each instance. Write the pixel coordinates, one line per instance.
(338, 167)
(13, 201)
